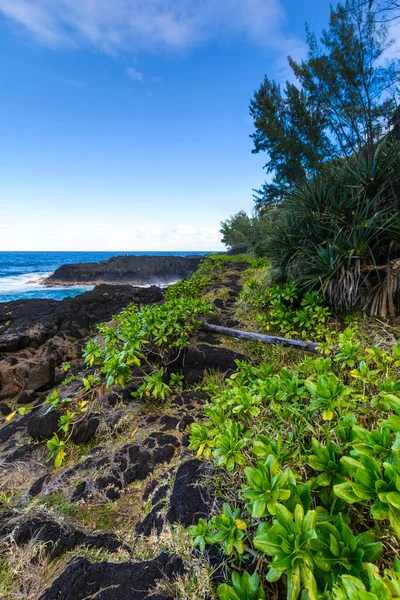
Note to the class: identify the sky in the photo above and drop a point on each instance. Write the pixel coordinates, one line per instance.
(124, 124)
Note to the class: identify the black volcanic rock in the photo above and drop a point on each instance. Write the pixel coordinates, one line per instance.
(60, 538)
(133, 270)
(29, 323)
(4, 409)
(85, 430)
(203, 357)
(26, 396)
(190, 499)
(42, 333)
(43, 424)
(111, 581)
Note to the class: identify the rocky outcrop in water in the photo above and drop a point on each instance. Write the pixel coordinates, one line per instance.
(132, 270)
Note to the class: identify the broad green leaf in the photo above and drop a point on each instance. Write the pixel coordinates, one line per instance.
(323, 479)
(308, 581)
(273, 574)
(372, 552)
(379, 510)
(59, 457)
(394, 499)
(334, 546)
(345, 492)
(266, 544)
(394, 518)
(225, 592)
(351, 466)
(293, 583)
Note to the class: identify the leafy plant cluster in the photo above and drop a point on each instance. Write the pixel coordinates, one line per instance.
(54, 401)
(288, 312)
(153, 385)
(57, 443)
(159, 330)
(245, 234)
(209, 270)
(315, 453)
(162, 329)
(136, 338)
(339, 232)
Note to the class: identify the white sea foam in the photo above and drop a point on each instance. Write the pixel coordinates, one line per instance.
(28, 283)
(19, 282)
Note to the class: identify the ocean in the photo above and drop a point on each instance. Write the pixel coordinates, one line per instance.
(20, 272)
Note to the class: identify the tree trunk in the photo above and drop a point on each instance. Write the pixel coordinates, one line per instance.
(259, 337)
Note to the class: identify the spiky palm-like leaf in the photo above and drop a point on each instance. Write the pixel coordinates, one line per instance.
(337, 231)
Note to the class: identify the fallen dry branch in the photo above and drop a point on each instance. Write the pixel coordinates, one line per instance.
(259, 337)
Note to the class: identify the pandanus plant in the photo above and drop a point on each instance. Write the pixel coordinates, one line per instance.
(340, 232)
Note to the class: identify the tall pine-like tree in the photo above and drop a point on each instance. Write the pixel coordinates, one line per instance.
(342, 104)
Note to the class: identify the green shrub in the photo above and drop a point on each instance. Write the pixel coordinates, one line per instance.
(289, 312)
(165, 328)
(245, 587)
(317, 466)
(338, 233)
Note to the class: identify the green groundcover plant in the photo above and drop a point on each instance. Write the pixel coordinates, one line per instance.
(314, 452)
(307, 456)
(159, 331)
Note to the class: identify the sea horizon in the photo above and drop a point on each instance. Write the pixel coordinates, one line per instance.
(21, 270)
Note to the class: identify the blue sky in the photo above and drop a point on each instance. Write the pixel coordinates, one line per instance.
(124, 123)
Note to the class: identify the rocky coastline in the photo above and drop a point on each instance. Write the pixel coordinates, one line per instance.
(105, 525)
(36, 336)
(127, 270)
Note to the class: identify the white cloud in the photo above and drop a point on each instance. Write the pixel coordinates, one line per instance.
(134, 74)
(130, 25)
(106, 232)
(192, 238)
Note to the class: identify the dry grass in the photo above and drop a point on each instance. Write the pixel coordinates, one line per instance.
(221, 293)
(26, 571)
(196, 583)
(17, 477)
(379, 334)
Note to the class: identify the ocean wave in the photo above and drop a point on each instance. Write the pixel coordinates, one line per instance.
(27, 286)
(13, 282)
